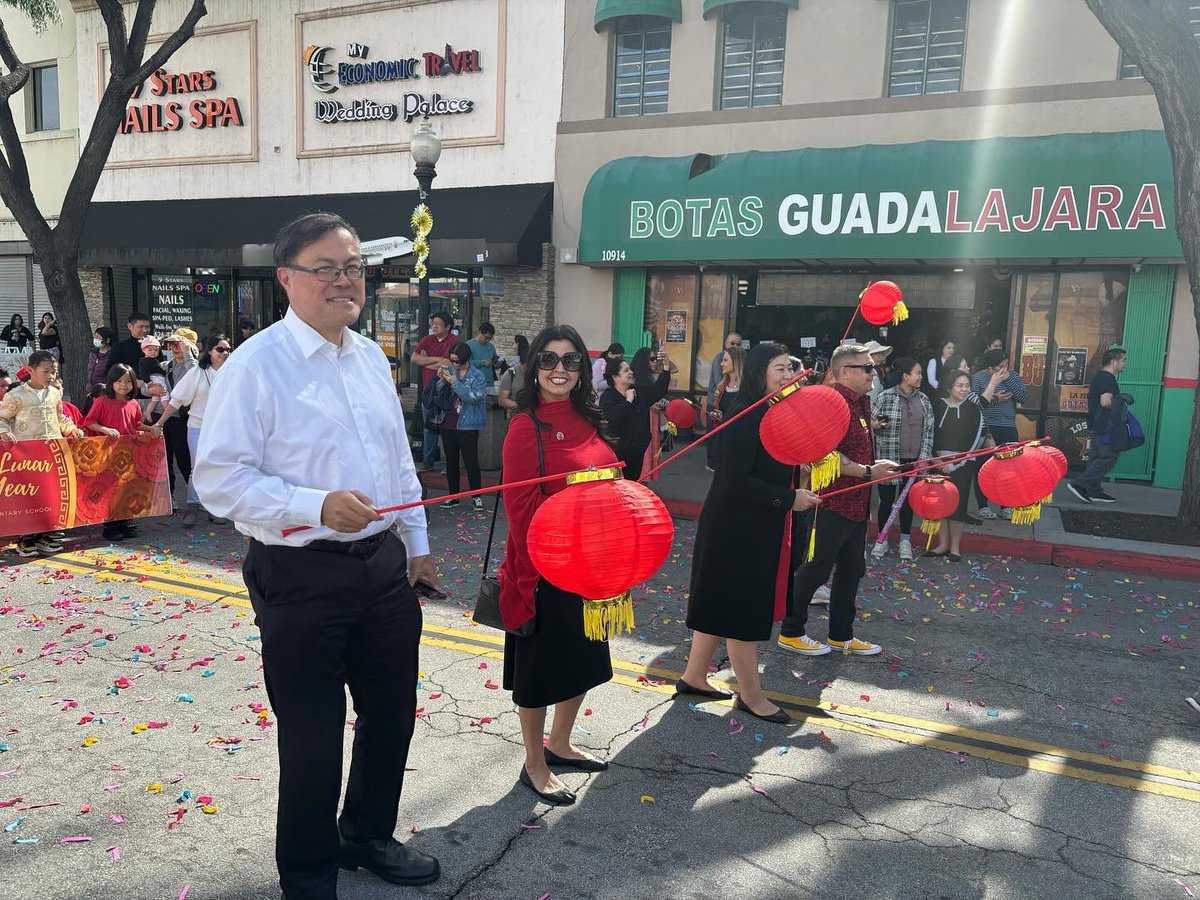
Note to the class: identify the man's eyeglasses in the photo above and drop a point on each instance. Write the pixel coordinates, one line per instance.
(223, 350)
(330, 274)
(866, 367)
(548, 361)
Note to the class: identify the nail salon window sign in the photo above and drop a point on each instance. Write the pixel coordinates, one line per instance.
(367, 78)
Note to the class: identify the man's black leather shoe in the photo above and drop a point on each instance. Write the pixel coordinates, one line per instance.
(390, 860)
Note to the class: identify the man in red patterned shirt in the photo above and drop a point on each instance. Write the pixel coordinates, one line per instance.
(841, 522)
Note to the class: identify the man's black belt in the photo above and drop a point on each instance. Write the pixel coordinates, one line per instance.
(364, 547)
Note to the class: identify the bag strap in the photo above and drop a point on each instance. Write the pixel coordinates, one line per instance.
(487, 554)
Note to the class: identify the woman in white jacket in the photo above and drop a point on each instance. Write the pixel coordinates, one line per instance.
(192, 391)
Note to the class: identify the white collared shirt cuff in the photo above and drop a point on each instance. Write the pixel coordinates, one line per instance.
(416, 543)
(306, 506)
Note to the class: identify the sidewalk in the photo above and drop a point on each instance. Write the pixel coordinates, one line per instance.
(684, 484)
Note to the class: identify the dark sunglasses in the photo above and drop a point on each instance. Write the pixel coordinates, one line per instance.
(223, 349)
(866, 367)
(548, 361)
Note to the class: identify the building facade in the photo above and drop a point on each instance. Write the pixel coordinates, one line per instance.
(753, 165)
(46, 118)
(273, 109)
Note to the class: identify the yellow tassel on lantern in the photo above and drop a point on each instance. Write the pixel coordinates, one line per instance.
(899, 312)
(825, 472)
(1027, 515)
(603, 620)
(812, 541)
(930, 527)
(1049, 498)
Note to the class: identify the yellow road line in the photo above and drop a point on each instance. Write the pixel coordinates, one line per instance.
(941, 736)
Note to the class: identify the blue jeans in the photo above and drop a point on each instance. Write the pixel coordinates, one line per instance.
(429, 440)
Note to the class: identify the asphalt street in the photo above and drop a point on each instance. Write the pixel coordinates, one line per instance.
(1023, 735)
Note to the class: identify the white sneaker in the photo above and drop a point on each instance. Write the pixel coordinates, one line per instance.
(906, 553)
(985, 512)
(1006, 513)
(879, 550)
(478, 504)
(821, 597)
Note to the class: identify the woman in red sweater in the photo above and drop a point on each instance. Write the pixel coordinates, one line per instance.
(115, 413)
(557, 422)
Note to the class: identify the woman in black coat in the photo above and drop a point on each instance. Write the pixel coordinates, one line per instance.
(15, 334)
(742, 564)
(626, 408)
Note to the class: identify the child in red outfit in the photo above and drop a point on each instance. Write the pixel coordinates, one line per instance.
(114, 414)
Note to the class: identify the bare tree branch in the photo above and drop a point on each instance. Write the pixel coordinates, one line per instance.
(138, 33)
(17, 77)
(118, 47)
(181, 36)
(109, 114)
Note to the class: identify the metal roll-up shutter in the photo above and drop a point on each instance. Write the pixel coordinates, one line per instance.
(41, 297)
(14, 289)
(123, 299)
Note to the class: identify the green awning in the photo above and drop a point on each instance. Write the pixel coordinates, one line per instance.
(606, 10)
(1068, 196)
(711, 6)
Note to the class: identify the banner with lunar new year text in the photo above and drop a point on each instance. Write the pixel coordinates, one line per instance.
(58, 484)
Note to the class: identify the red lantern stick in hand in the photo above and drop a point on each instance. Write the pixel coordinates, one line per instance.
(933, 498)
(804, 427)
(1019, 479)
(598, 538)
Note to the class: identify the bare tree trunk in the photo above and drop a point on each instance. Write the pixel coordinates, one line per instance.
(1158, 36)
(71, 315)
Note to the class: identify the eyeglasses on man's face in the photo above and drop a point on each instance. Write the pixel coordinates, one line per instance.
(548, 361)
(330, 274)
(866, 367)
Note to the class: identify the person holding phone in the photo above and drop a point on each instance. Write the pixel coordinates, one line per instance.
(334, 603)
(1000, 416)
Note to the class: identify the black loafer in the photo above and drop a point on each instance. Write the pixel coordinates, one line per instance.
(583, 765)
(562, 797)
(779, 717)
(682, 687)
(390, 860)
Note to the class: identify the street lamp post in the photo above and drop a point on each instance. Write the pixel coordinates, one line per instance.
(426, 148)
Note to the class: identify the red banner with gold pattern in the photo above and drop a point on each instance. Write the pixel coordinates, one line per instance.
(55, 485)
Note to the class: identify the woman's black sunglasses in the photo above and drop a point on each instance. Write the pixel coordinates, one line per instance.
(548, 360)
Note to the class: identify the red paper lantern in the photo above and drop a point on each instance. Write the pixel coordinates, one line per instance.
(1057, 457)
(1021, 480)
(681, 413)
(804, 427)
(882, 302)
(599, 538)
(933, 498)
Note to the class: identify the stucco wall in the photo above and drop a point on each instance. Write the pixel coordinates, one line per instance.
(512, 127)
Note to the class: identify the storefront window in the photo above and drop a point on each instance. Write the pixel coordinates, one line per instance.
(1068, 320)
(670, 319)
(716, 296)
(395, 324)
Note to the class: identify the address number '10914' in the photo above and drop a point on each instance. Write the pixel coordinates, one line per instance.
(612, 255)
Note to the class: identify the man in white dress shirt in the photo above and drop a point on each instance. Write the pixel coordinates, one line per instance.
(305, 428)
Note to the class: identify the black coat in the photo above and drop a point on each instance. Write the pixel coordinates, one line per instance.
(629, 423)
(740, 536)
